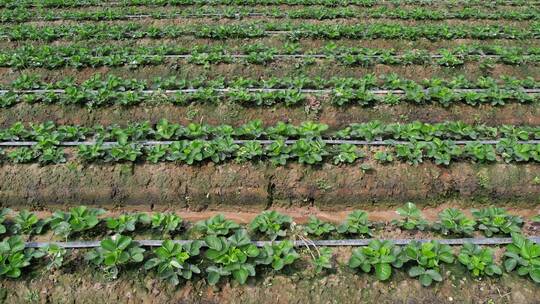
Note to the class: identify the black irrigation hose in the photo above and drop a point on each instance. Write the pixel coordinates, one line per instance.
(299, 243)
(261, 141)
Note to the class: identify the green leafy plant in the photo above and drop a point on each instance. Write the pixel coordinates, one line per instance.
(452, 220)
(427, 258)
(26, 222)
(115, 252)
(322, 259)
(479, 261)
(524, 255)
(174, 261)
(411, 218)
(14, 257)
(271, 223)
(126, 222)
(356, 223)
(78, 219)
(347, 154)
(278, 255)
(378, 255)
(317, 227)
(216, 225)
(166, 222)
(493, 221)
(54, 254)
(232, 256)
(3, 214)
(384, 157)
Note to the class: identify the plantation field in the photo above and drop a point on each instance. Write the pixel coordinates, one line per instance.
(163, 115)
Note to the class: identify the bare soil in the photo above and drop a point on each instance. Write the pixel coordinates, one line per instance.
(234, 114)
(254, 187)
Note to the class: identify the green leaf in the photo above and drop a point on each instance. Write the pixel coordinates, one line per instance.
(435, 275)
(510, 264)
(278, 264)
(213, 277)
(240, 275)
(416, 271)
(108, 245)
(383, 271)
(213, 242)
(425, 280)
(535, 274)
(151, 263)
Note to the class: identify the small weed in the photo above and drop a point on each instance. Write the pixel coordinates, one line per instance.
(323, 185)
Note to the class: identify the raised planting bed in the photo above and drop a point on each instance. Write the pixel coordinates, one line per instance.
(258, 186)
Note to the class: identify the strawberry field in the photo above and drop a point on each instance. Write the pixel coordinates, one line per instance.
(233, 151)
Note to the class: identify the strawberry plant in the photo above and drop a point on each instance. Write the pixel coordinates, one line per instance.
(166, 222)
(115, 252)
(13, 257)
(126, 222)
(523, 255)
(3, 214)
(479, 261)
(271, 223)
(77, 220)
(452, 220)
(493, 221)
(411, 218)
(173, 261)
(216, 225)
(278, 255)
(231, 256)
(347, 154)
(384, 157)
(356, 223)
(28, 223)
(322, 259)
(309, 151)
(427, 259)
(54, 254)
(378, 255)
(317, 227)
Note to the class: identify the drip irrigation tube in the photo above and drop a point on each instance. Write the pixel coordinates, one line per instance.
(226, 90)
(299, 243)
(261, 141)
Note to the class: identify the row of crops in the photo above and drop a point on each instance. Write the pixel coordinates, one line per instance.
(139, 91)
(330, 3)
(79, 56)
(231, 253)
(229, 250)
(84, 31)
(307, 143)
(235, 257)
(84, 223)
(319, 13)
(366, 91)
